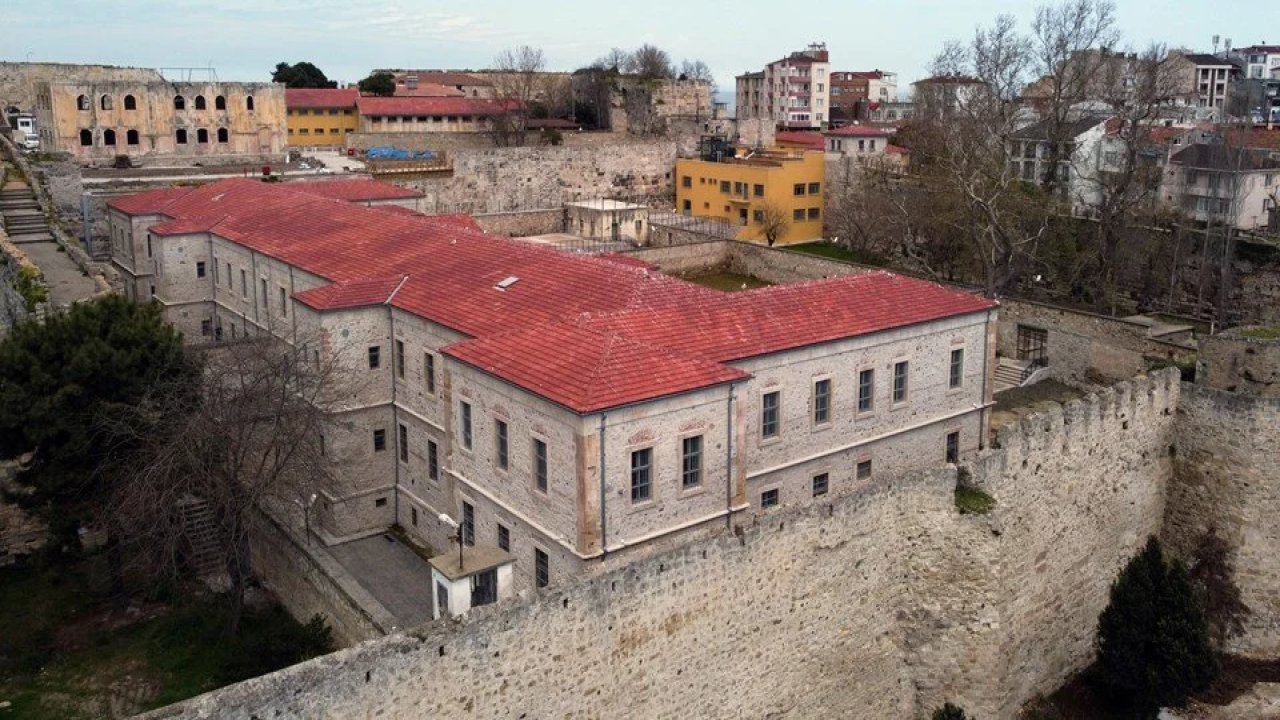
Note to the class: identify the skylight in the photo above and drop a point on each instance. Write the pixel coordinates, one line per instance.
(506, 282)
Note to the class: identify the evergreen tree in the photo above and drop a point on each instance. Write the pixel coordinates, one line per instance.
(380, 83)
(1153, 639)
(301, 75)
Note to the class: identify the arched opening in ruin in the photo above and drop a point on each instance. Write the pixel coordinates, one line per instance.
(82, 102)
(219, 103)
(131, 137)
(109, 138)
(200, 102)
(248, 102)
(179, 102)
(105, 102)
(86, 138)
(182, 136)
(222, 135)
(202, 136)
(130, 103)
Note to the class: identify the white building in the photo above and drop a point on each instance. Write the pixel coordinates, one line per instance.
(795, 91)
(1214, 183)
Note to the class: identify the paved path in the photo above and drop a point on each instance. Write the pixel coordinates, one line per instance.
(30, 232)
(392, 573)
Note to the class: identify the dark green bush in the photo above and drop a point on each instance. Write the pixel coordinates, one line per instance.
(950, 712)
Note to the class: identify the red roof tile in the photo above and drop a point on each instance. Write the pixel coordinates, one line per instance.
(810, 140)
(428, 90)
(380, 106)
(353, 294)
(150, 202)
(320, 97)
(355, 190)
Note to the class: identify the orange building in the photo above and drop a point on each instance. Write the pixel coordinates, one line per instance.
(320, 116)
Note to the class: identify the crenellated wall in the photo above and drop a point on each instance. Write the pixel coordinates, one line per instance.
(883, 603)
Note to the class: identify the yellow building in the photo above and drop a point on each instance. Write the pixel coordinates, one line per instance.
(321, 117)
(776, 192)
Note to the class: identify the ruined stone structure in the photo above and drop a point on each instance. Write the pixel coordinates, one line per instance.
(19, 80)
(185, 121)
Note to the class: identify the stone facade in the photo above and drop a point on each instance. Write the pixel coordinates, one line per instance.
(209, 121)
(18, 80)
(520, 223)
(1239, 360)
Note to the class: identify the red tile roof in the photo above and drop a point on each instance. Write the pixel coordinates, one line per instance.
(428, 90)
(320, 97)
(355, 190)
(594, 332)
(896, 150)
(150, 202)
(381, 106)
(861, 131)
(810, 140)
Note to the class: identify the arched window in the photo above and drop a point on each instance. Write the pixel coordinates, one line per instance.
(179, 102)
(131, 137)
(130, 103)
(222, 135)
(82, 102)
(219, 103)
(86, 138)
(109, 138)
(182, 136)
(248, 102)
(200, 102)
(106, 102)
(202, 136)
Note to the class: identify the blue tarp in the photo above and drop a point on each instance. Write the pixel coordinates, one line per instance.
(386, 152)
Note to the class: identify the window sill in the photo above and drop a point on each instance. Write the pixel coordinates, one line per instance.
(771, 440)
(693, 491)
(820, 427)
(641, 507)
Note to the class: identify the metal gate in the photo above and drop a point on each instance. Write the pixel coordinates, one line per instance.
(1032, 343)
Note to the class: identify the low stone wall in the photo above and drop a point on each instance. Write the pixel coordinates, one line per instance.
(308, 581)
(522, 222)
(21, 534)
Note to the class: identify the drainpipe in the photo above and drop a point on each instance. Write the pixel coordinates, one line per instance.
(603, 536)
(728, 460)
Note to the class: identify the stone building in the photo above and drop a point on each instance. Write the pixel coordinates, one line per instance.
(206, 121)
(572, 411)
(427, 114)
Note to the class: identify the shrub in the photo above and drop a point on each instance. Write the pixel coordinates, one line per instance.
(1153, 639)
(32, 288)
(972, 501)
(949, 712)
(271, 640)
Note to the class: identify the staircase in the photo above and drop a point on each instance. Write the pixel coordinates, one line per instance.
(198, 524)
(24, 222)
(1010, 373)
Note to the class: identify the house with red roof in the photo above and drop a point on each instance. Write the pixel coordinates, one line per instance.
(320, 117)
(400, 114)
(570, 412)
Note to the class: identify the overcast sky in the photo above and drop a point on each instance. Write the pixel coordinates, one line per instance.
(244, 39)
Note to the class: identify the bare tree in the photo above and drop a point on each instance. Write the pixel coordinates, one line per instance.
(652, 62)
(773, 221)
(696, 70)
(518, 83)
(617, 60)
(251, 438)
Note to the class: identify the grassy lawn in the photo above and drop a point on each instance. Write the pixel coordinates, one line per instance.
(64, 653)
(1263, 333)
(727, 281)
(837, 252)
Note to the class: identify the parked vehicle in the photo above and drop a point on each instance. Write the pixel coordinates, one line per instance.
(31, 141)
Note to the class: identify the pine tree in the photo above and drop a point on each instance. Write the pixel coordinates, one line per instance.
(949, 712)
(1153, 639)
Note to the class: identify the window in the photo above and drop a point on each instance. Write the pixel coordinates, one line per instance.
(375, 356)
(200, 102)
(541, 568)
(815, 213)
(757, 216)
(86, 138)
(399, 358)
(822, 402)
(866, 390)
(130, 103)
(380, 502)
(769, 498)
(464, 411)
(429, 372)
(219, 103)
(222, 135)
(500, 442)
(769, 404)
(815, 188)
(109, 138)
(757, 190)
(504, 538)
(403, 437)
(131, 137)
(248, 103)
(179, 102)
(691, 465)
(953, 447)
(413, 516)
(797, 215)
(820, 484)
(379, 440)
(641, 489)
(688, 207)
(686, 181)
(433, 460)
(181, 136)
(900, 381)
(468, 524)
(148, 244)
(231, 282)
(724, 186)
(540, 464)
(798, 190)
(284, 302)
(202, 136)
(864, 470)
(206, 327)
(82, 102)
(199, 269)
(957, 367)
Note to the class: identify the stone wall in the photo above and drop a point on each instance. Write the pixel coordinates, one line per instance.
(523, 222)
(18, 80)
(882, 603)
(1225, 480)
(1235, 360)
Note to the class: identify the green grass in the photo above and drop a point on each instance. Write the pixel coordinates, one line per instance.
(62, 655)
(1263, 333)
(972, 501)
(727, 281)
(837, 252)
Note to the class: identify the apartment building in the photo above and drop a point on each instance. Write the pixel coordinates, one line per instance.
(321, 117)
(794, 92)
(854, 94)
(569, 411)
(1260, 62)
(1224, 184)
(1212, 83)
(760, 192)
(97, 121)
(940, 96)
(1080, 163)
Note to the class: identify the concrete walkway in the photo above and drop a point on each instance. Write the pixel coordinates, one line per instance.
(66, 281)
(393, 574)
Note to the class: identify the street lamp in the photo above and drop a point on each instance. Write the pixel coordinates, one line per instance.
(444, 518)
(306, 513)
